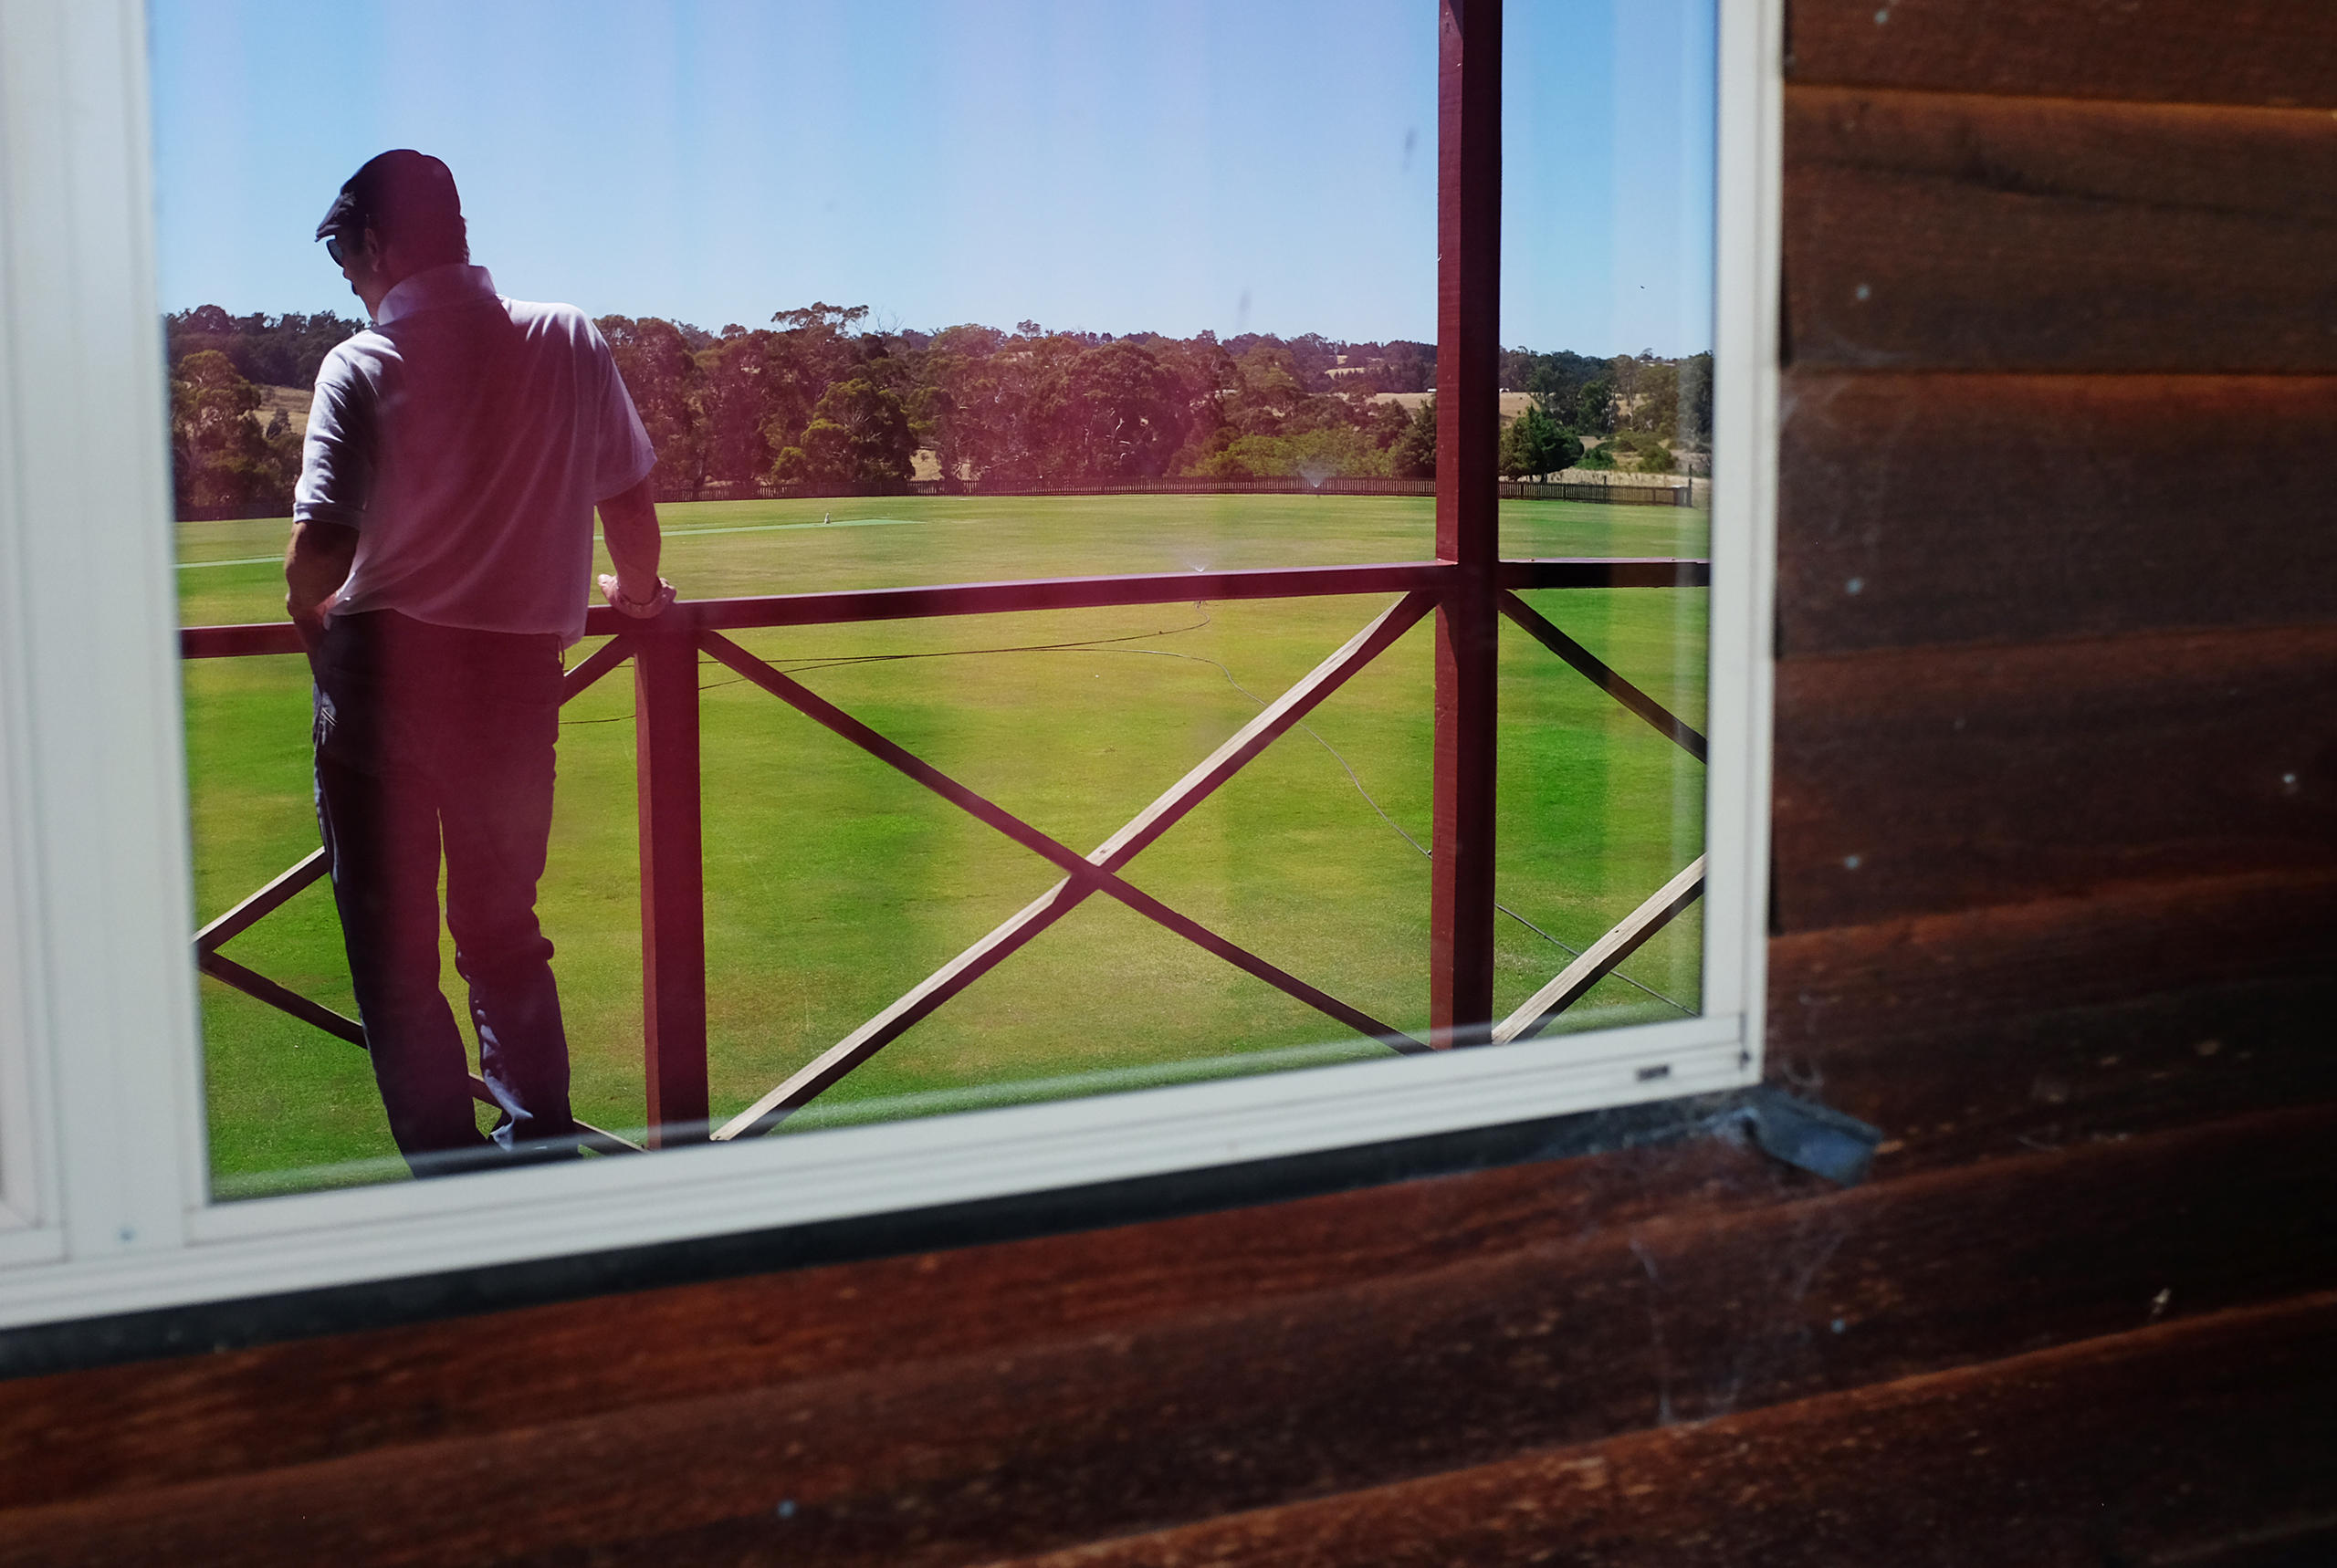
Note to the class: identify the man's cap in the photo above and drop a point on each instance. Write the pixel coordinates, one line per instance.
(399, 191)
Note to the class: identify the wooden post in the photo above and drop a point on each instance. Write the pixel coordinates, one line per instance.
(1468, 424)
(672, 879)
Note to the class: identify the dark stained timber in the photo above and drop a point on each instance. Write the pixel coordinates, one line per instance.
(1991, 1031)
(928, 1455)
(1936, 779)
(1957, 973)
(2266, 52)
(2006, 508)
(116, 1429)
(2208, 1445)
(1927, 231)
(2062, 1077)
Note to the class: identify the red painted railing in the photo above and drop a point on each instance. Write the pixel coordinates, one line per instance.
(665, 652)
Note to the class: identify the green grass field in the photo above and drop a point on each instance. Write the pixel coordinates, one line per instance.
(833, 884)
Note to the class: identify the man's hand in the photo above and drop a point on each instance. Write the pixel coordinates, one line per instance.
(316, 563)
(629, 525)
(613, 591)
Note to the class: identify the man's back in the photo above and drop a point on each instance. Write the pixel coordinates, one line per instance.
(466, 438)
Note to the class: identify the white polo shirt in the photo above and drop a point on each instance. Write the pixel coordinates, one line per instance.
(466, 437)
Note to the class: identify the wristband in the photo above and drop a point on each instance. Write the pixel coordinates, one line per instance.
(639, 608)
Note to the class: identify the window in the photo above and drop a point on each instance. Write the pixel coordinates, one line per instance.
(118, 1140)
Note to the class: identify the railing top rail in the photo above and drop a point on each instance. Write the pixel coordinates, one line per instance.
(837, 607)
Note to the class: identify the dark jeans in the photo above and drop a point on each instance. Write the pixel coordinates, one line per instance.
(430, 735)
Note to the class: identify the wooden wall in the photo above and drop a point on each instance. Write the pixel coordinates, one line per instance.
(2056, 907)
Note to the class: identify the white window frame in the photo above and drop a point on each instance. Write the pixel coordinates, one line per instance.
(104, 1204)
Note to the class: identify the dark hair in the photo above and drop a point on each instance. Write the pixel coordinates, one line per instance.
(407, 196)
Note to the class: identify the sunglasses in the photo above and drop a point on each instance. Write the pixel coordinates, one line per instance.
(333, 249)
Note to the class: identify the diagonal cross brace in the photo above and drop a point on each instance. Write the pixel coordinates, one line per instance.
(1084, 874)
(311, 867)
(1619, 943)
(1089, 873)
(260, 906)
(281, 890)
(1601, 674)
(283, 998)
(341, 1026)
(599, 663)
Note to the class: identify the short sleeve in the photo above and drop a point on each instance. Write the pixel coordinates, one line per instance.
(622, 455)
(337, 454)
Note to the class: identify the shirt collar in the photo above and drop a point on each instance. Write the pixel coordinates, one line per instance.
(433, 288)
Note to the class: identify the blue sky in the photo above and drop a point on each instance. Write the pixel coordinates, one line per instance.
(1263, 166)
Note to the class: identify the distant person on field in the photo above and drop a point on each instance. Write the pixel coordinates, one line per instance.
(440, 561)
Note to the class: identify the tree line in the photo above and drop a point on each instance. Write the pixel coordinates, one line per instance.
(819, 401)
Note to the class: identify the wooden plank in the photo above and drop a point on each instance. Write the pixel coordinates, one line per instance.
(2208, 1444)
(127, 1427)
(1935, 779)
(259, 986)
(1932, 974)
(673, 883)
(1989, 1031)
(1625, 937)
(1927, 231)
(1468, 523)
(1594, 669)
(852, 605)
(2286, 1544)
(1947, 509)
(2062, 1077)
(2270, 52)
(580, 677)
(939, 1452)
(280, 890)
(1604, 571)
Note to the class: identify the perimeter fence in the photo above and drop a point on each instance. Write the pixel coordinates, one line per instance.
(1683, 493)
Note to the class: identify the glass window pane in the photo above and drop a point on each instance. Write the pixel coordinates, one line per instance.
(1605, 450)
(946, 294)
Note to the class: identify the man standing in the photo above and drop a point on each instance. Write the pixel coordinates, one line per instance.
(442, 543)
